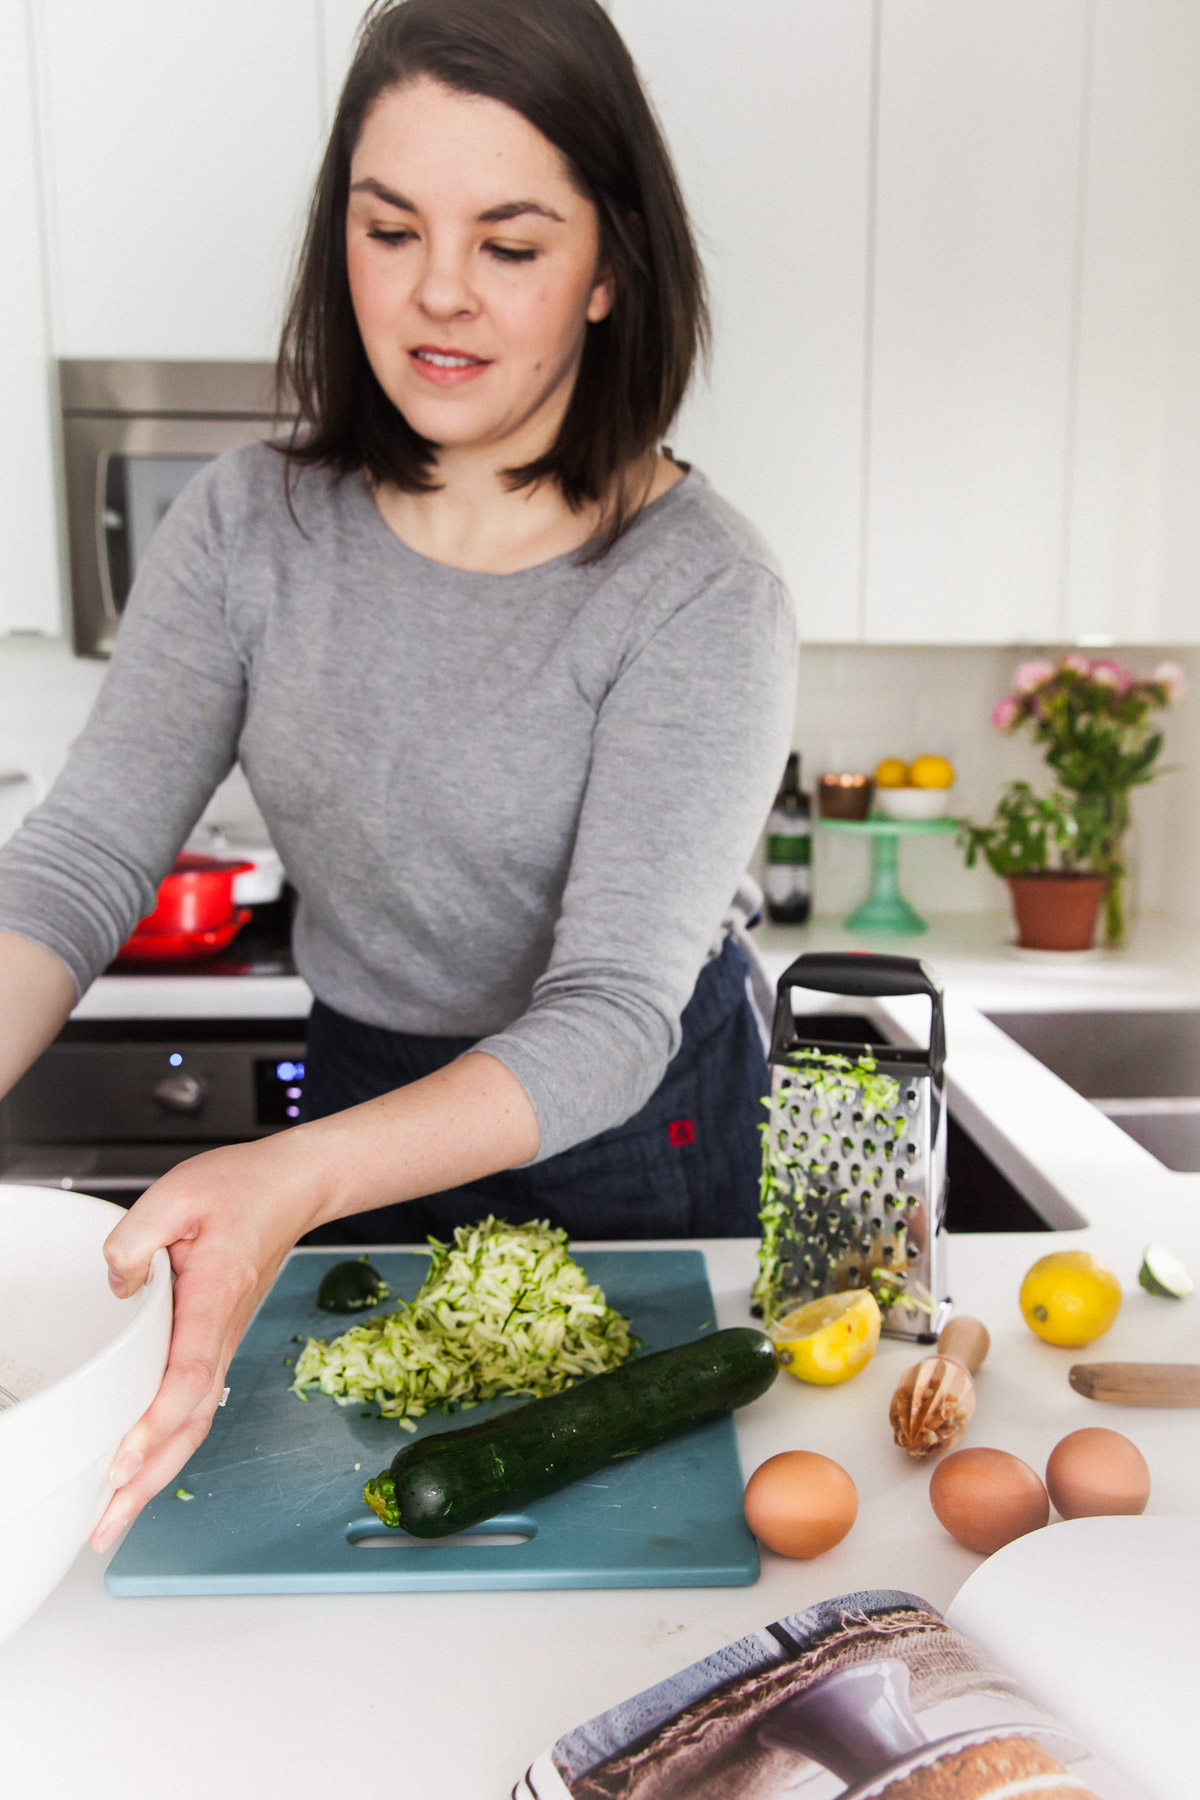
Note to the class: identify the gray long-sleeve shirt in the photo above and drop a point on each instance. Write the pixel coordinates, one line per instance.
(515, 807)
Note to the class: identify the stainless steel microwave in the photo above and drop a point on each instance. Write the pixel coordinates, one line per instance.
(134, 434)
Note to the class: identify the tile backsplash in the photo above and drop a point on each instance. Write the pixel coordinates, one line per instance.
(854, 705)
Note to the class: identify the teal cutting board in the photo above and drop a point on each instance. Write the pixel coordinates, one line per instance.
(277, 1484)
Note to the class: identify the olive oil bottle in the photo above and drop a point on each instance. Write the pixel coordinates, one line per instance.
(789, 851)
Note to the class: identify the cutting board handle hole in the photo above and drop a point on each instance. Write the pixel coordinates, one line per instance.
(497, 1534)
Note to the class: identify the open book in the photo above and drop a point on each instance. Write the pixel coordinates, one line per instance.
(877, 1696)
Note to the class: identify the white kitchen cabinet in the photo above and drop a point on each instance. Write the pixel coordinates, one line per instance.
(766, 106)
(181, 143)
(979, 139)
(29, 570)
(954, 253)
(1133, 572)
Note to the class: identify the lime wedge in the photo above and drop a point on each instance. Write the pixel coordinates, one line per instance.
(1163, 1273)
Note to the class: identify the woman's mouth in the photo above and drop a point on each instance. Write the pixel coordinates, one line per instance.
(446, 368)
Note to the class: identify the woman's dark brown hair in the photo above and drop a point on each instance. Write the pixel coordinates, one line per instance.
(563, 66)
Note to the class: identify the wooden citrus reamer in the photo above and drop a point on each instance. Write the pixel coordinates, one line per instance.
(934, 1402)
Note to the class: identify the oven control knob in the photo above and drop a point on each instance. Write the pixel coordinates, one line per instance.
(180, 1093)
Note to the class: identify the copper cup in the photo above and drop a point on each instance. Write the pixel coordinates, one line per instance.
(845, 796)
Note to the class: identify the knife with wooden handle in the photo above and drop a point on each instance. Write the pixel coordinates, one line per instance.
(1138, 1384)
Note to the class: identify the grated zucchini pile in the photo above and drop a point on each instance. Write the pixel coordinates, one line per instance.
(504, 1310)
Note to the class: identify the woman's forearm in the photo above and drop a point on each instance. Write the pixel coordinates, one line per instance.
(454, 1126)
(465, 1121)
(36, 997)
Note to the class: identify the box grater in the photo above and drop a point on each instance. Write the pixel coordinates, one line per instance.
(854, 1154)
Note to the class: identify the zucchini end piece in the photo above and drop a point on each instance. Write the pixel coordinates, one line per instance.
(351, 1286)
(380, 1496)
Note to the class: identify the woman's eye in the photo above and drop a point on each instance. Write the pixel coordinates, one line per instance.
(503, 253)
(388, 237)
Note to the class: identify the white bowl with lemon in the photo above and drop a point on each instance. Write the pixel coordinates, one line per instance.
(917, 790)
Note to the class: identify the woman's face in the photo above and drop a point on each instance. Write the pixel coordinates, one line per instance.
(473, 267)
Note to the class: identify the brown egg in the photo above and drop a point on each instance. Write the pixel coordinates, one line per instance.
(800, 1504)
(986, 1498)
(1097, 1471)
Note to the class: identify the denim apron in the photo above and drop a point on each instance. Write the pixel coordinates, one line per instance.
(686, 1165)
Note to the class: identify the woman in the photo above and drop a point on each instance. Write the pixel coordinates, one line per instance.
(511, 687)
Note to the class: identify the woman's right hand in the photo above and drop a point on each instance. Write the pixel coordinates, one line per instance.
(227, 1219)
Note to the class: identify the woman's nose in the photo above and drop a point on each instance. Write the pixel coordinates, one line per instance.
(444, 289)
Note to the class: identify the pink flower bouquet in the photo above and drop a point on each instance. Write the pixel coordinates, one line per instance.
(1093, 721)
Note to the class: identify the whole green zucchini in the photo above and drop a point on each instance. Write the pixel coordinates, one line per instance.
(452, 1480)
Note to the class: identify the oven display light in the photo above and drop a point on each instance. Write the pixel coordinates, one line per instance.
(278, 1090)
(175, 1059)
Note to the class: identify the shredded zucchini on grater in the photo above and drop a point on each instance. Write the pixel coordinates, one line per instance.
(504, 1309)
(809, 1227)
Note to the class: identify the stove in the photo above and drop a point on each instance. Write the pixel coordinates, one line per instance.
(161, 1062)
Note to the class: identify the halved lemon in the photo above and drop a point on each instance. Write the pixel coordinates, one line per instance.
(828, 1340)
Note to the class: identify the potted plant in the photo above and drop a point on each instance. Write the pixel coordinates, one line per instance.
(1044, 846)
(1093, 721)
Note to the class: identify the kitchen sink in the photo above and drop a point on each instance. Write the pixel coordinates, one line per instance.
(1142, 1069)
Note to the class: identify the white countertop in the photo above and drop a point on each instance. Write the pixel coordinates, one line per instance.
(196, 997)
(297, 1697)
(294, 1697)
(1158, 966)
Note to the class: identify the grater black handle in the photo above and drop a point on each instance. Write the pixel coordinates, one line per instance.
(861, 973)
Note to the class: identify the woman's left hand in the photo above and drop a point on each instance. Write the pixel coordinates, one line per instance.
(227, 1219)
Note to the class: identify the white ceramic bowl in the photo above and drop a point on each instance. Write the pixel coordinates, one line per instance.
(912, 802)
(84, 1366)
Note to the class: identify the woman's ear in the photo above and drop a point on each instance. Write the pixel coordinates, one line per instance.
(603, 296)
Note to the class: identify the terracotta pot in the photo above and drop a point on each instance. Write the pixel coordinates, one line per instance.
(1056, 910)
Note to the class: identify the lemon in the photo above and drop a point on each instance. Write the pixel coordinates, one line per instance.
(1069, 1298)
(828, 1340)
(892, 773)
(932, 772)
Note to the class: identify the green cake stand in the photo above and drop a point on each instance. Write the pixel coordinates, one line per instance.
(885, 908)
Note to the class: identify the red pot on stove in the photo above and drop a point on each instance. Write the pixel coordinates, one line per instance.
(196, 897)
